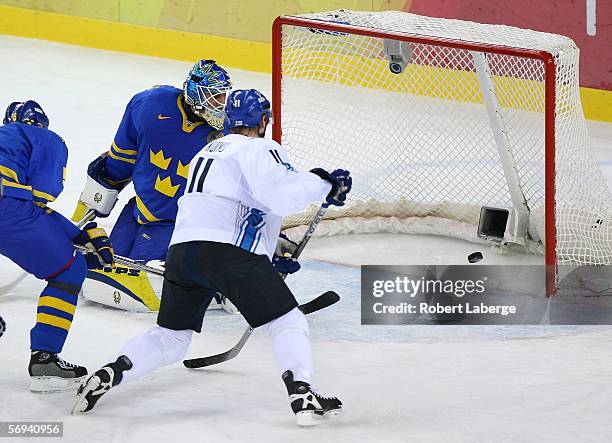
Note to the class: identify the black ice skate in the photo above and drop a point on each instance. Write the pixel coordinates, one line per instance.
(309, 406)
(49, 373)
(99, 384)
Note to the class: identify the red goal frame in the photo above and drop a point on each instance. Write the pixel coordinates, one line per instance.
(549, 106)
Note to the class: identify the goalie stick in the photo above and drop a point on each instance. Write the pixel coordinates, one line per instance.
(126, 262)
(324, 300)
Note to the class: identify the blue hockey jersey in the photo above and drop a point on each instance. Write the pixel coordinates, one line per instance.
(153, 147)
(32, 163)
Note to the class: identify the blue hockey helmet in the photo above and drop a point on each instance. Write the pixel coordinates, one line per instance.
(245, 108)
(28, 112)
(205, 91)
(10, 116)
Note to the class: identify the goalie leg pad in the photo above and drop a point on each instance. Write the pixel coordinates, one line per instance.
(124, 288)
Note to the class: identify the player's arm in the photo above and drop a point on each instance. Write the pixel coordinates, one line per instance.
(100, 251)
(282, 189)
(278, 186)
(124, 149)
(48, 169)
(110, 172)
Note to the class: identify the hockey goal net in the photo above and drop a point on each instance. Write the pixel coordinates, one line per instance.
(472, 115)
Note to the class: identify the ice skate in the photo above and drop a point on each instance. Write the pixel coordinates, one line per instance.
(50, 373)
(310, 407)
(99, 384)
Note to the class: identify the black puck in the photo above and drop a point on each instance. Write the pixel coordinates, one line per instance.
(475, 257)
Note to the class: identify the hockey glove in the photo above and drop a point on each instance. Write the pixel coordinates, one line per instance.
(341, 182)
(2, 326)
(282, 261)
(285, 246)
(96, 240)
(285, 265)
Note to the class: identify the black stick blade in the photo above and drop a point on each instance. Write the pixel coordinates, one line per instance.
(322, 301)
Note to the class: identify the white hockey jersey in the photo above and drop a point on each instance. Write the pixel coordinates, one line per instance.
(238, 189)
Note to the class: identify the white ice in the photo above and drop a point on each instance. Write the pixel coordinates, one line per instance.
(398, 384)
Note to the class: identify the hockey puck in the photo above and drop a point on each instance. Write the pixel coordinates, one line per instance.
(475, 257)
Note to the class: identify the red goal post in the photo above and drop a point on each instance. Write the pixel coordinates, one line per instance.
(340, 28)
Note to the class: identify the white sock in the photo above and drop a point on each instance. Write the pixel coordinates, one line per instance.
(155, 348)
(291, 344)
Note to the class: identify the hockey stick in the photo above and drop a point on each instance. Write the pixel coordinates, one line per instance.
(89, 215)
(311, 228)
(11, 285)
(228, 355)
(322, 301)
(126, 262)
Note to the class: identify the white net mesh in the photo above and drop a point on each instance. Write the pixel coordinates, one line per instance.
(420, 143)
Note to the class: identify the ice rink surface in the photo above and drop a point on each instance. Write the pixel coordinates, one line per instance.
(398, 384)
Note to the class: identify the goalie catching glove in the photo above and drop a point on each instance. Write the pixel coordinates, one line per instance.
(341, 182)
(282, 259)
(96, 240)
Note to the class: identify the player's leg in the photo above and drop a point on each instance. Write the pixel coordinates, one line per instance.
(26, 230)
(141, 355)
(124, 231)
(152, 241)
(182, 309)
(264, 299)
(56, 308)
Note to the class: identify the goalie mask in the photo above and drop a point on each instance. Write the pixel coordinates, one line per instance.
(205, 91)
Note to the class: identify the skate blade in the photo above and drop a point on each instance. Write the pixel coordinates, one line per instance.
(48, 384)
(81, 403)
(229, 307)
(214, 306)
(312, 418)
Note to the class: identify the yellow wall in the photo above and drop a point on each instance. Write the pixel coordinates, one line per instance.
(597, 104)
(252, 19)
(116, 36)
(242, 19)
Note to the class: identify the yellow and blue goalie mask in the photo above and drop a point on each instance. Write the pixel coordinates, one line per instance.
(206, 89)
